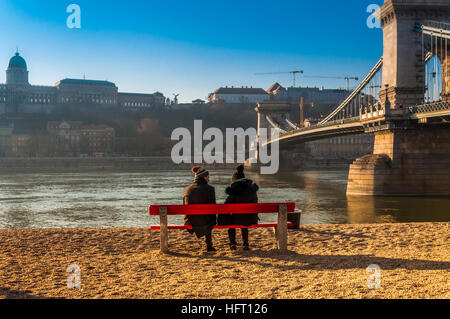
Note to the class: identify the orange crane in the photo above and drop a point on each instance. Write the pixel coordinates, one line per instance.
(346, 78)
(302, 117)
(293, 72)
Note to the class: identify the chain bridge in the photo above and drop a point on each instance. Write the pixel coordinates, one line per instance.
(404, 101)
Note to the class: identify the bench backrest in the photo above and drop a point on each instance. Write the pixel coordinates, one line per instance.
(205, 209)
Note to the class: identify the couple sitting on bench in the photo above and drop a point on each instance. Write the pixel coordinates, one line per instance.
(241, 190)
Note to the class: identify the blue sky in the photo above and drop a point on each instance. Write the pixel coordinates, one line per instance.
(191, 47)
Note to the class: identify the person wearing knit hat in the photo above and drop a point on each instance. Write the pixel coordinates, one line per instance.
(239, 173)
(241, 190)
(200, 172)
(200, 192)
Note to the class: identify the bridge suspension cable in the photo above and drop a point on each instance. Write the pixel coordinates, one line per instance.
(275, 125)
(292, 125)
(435, 28)
(365, 92)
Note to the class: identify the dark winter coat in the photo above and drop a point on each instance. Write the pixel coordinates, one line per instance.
(241, 191)
(199, 192)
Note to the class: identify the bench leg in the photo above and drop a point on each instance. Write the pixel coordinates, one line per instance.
(282, 228)
(164, 244)
(275, 240)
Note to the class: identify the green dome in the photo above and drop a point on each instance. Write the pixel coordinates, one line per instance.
(17, 62)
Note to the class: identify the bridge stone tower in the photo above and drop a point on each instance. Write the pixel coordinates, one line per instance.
(409, 158)
(403, 54)
(271, 114)
(276, 111)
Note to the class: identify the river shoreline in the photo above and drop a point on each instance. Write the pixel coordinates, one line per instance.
(121, 198)
(132, 164)
(324, 261)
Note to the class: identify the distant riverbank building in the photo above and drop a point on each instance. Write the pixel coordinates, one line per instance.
(74, 138)
(236, 95)
(309, 94)
(233, 95)
(17, 95)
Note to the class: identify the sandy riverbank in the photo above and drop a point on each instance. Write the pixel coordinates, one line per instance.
(325, 261)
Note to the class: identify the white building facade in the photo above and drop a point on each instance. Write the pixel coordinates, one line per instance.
(234, 95)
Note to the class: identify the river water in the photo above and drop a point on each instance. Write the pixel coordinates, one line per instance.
(121, 199)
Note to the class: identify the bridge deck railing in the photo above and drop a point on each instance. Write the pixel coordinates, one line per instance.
(326, 124)
(430, 107)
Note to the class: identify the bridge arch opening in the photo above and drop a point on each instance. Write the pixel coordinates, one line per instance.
(435, 57)
(433, 80)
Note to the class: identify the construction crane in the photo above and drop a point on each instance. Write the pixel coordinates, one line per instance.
(346, 78)
(302, 116)
(293, 72)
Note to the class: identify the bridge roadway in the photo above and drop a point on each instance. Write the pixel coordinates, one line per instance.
(353, 125)
(319, 131)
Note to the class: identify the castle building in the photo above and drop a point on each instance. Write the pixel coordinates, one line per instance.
(17, 95)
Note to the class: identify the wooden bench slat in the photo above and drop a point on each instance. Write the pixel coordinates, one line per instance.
(214, 209)
(156, 227)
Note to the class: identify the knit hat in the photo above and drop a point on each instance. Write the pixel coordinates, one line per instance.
(199, 171)
(239, 173)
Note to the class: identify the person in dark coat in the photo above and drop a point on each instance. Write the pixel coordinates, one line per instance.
(242, 190)
(200, 192)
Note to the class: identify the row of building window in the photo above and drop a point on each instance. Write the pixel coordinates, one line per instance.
(241, 98)
(96, 133)
(93, 100)
(48, 99)
(137, 104)
(98, 144)
(96, 139)
(40, 100)
(31, 100)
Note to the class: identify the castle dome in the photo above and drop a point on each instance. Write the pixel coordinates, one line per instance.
(17, 62)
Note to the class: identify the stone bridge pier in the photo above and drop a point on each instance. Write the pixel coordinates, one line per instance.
(409, 158)
(411, 161)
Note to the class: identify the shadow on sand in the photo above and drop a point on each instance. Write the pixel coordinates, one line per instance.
(9, 293)
(333, 233)
(271, 258)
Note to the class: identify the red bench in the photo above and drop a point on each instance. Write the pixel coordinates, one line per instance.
(215, 209)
